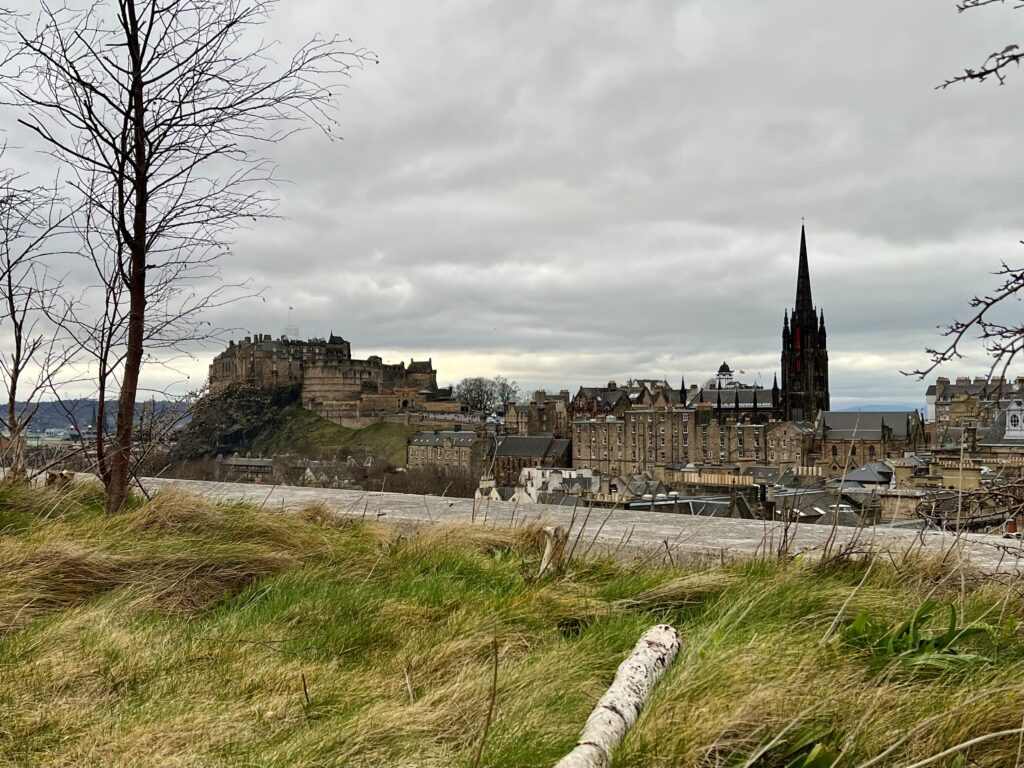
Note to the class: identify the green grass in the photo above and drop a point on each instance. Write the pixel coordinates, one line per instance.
(182, 633)
(304, 432)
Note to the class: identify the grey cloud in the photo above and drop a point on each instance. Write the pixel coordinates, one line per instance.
(574, 191)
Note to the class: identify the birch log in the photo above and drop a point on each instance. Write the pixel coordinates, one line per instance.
(617, 711)
(553, 548)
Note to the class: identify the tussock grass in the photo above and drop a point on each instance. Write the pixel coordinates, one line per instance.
(188, 633)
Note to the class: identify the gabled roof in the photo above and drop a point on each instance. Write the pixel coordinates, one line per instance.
(872, 473)
(863, 425)
(531, 447)
(605, 398)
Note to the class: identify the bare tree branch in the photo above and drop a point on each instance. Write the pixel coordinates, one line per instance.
(158, 108)
(997, 62)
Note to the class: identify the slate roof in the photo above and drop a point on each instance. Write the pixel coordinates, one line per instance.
(862, 425)
(730, 395)
(988, 391)
(531, 447)
(605, 399)
(420, 366)
(805, 427)
(459, 439)
(770, 474)
(237, 461)
(995, 434)
(872, 473)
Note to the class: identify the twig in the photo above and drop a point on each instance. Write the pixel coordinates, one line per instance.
(490, 706)
(408, 685)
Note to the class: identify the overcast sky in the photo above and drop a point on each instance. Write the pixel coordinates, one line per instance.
(570, 192)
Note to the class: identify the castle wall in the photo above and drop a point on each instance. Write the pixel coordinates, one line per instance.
(326, 385)
(333, 385)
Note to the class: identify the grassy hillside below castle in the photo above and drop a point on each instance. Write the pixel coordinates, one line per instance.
(272, 422)
(187, 633)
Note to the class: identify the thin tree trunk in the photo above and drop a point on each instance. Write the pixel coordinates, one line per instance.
(121, 456)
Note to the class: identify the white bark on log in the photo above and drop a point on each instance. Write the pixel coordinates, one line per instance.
(556, 538)
(617, 711)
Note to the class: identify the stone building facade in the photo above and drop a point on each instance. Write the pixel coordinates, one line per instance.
(544, 415)
(791, 443)
(846, 440)
(967, 402)
(463, 452)
(646, 438)
(514, 453)
(332, 383)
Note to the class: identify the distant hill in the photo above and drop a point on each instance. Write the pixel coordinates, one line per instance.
(272, 422)
(54, 415)
(882, 407)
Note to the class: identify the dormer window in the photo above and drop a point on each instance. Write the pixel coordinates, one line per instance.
(1015, 420)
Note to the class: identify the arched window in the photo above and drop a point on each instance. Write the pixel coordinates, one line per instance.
(871, 451)
(835, 451)
(853, 451)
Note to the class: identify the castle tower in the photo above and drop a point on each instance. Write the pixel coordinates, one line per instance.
(804, 391)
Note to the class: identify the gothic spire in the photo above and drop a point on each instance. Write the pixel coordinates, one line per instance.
(803, 279)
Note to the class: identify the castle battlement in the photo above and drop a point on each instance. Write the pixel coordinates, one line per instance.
(331, 382)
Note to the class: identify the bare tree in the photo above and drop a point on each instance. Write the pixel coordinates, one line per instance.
(478, 393)
(158, 108)
(507, 390)
(32, 304)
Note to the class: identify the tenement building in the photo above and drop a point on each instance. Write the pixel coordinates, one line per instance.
(645, 438)
(452, 452)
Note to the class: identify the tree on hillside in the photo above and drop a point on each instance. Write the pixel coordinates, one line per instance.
(156, 109)
(32, 305)
(991, 320)
(478, 393)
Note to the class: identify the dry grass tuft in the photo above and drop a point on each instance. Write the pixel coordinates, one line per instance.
(175, 510)
(56, 576)
(319, 513)
(685, 590)
(476, 538)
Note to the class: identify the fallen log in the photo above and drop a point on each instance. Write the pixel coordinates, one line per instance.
(617, 711)
(556, 538)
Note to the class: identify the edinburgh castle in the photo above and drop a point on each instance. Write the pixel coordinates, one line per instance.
(331, 383)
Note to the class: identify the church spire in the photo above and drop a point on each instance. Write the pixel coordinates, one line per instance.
(803, 280)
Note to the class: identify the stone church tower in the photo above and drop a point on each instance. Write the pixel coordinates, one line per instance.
(804, 352)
